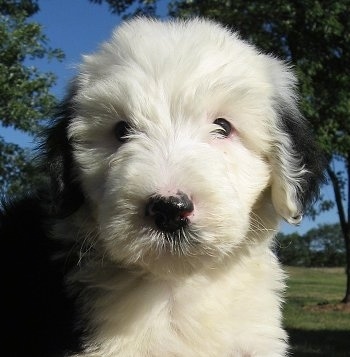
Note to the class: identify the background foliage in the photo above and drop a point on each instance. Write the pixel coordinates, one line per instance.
(319, 247)
(25, 99)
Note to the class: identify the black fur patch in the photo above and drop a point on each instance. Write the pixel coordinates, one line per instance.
(312, 158)
(37, 316)
(58, 161)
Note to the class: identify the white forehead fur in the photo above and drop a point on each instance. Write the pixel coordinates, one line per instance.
(214, 70)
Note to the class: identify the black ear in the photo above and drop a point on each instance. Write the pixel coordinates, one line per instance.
(312, 159)
(58, 161)
(299, 164)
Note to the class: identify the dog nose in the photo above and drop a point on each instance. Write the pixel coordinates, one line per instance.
(170, 213)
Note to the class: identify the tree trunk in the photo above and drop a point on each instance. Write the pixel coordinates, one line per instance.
(346, 299)
(344, 224)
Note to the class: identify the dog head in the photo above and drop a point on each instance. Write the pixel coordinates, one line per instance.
(183, 141)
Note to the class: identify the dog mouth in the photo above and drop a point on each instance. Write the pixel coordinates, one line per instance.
(180, 242)
(173, 226)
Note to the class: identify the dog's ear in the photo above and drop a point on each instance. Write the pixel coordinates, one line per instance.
(297, 162)
(67, 195)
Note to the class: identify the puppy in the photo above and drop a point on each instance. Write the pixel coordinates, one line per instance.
(176, 153)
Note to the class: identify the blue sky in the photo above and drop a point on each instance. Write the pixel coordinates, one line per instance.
(78, 27)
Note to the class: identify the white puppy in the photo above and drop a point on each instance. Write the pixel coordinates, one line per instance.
(174, 157)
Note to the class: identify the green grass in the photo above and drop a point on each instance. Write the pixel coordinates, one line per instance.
(316, 325)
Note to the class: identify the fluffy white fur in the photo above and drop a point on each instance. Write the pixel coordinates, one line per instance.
(216, 289)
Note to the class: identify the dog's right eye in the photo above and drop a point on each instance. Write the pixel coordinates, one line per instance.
(121, 131)
(225, 127)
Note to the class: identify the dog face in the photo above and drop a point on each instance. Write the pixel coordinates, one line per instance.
(184, 143)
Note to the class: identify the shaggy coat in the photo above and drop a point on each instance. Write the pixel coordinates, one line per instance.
(176, 153)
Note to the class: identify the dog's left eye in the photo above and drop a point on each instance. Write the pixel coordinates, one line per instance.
(121, 131)
(225, 127)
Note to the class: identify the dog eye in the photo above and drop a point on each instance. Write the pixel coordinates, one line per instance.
(225, 127)
(121, 131)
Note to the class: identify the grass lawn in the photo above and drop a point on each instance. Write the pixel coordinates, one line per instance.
(317, 324)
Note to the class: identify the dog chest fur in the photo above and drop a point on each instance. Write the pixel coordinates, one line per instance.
(208, 313)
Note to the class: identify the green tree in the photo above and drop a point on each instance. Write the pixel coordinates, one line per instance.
(326, 242)
(293, 249)
(129, 8)
(25, 100)
(319, 247)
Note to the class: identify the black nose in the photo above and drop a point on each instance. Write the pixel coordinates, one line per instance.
(170, 213)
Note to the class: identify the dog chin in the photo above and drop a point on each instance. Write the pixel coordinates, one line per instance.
(176, 253)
